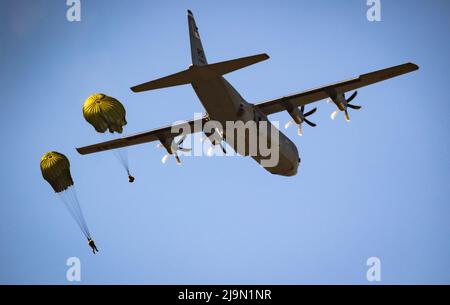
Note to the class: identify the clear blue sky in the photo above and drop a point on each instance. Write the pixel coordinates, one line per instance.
(377, 186)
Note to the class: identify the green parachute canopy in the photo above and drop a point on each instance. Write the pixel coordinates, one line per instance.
(55, 168)
(104, 112)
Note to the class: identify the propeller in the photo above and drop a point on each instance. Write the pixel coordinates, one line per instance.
(174, 147)
(344, 103)
(298, 117)
(216, 138)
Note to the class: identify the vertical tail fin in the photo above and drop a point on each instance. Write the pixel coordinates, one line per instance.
(198, 55)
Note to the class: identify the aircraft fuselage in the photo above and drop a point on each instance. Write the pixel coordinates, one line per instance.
(224, 104)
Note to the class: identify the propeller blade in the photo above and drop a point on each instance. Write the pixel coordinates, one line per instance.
(180, 141)
(288, 124)
(159, 145)
(310, 112)
(299, 130)
(210, 151)
(185, 149)
(352, 96)
(302, 109)
(356, 107)
(334, 114)
(310, 123)
(177, 159)
(223, 148)
(217, 130)
(164, 159)
(347, 117)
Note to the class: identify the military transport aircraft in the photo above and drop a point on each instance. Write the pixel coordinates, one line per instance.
(223, 103)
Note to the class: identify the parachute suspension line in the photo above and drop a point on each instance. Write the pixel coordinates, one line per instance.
(70, 210)
(65, 199)
(79, 212)
(77, 205)
(121, 154)
(72, 204)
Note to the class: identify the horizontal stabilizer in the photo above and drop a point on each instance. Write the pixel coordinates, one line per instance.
(177, 79)
(195, 73)
(228, 66)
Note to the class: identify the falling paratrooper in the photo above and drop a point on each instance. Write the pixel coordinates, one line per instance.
(107, 113)
(55, 168)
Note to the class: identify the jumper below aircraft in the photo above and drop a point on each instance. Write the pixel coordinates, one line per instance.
(224, 104)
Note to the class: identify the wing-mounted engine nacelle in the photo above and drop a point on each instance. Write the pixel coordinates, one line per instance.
(298, 116)
(340, 101)
(343, 104)
(172, 147)
(167, 143)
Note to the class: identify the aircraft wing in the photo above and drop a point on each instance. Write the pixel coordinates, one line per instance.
(158, 134)
(310, 96)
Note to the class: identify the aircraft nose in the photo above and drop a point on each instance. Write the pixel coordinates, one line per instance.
(290, 173)
(293, 171)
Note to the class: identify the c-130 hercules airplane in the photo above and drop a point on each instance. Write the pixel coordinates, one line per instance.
(224, 104)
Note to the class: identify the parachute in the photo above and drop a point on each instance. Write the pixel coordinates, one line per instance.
(107, 113)
(55, 168)
(104, 112)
